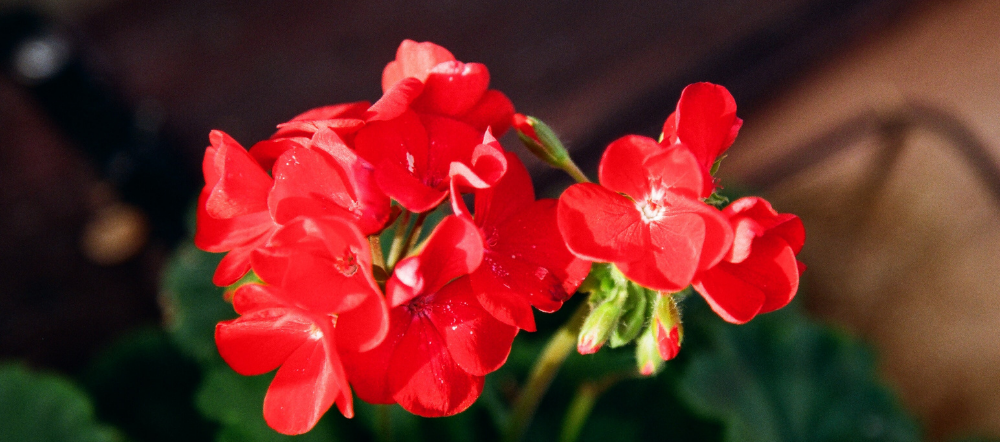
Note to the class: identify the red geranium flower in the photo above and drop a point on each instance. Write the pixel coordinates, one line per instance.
(447, 87)
(322, 300)
(525, 262)
(706, 123)
(759, 274)
(417, 157)
(233, 213)
(324, 176)
(344, 119)
(645, 216)
(241, 206)
(441, 341)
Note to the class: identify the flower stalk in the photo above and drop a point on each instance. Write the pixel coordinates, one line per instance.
(560, 345)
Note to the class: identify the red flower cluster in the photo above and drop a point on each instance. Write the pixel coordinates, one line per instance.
(304, 210)
(649, 218)
(301, 208)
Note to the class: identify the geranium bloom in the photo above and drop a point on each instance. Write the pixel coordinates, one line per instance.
(645, 216)
(449, 87)
(441, 341)
(322, 300)
(525, 261)
(233, 213)
(417, 157)
(706, 123)
(759, 274)
(241, 206)
(428, 127)
(344, 119)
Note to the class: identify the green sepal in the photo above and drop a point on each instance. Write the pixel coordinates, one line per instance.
(633, 317)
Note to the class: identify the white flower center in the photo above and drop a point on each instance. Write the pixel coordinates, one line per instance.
(652, 207)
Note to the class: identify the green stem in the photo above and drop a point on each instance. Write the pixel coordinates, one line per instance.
(574, 171)
(411, 241)
(384, 423)
(583, 403)
(398, 241)
(562, 343)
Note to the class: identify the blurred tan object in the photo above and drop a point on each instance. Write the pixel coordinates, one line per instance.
(114, 234)
(903, 223)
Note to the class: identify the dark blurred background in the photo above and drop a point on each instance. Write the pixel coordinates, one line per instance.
(877, 121)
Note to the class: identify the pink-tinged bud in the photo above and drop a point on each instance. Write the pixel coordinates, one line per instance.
(647, 356)
(668, 343)
(668, 334)
(589, 344)
(599, 325)
(541, 140)
(523, 126)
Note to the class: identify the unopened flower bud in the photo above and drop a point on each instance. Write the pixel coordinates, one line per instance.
(598, 326)
(668, 333)
(647, 355)
(541, 140)
(634, 315)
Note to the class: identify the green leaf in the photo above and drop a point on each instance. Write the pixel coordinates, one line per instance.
(784, 378)
(37, 407)
(237, 403)
(145, 386)
(192, 304)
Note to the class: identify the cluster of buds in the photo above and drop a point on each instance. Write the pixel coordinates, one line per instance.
(302, 215)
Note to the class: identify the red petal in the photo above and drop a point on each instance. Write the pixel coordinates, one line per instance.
(343, 181)
(505, 305)
(600, 225)
(250, 297)
(242, 187)
(368, 372)
(753, 217)
(267, 152)
(706, 121)
(365, 326)
(235, 264)
(408, 190)
(454, 249)
(525, 264)
(452, 88)
(402, 140)
(764, 282)
(323, 265)
(507, 197)
(667, 342)
(335, 111)
(477, 342)
(449, 141)
(669, 134)
(343, 118)
(494, 111)
(395, 101)
(306, 385)
(414, 60)
(622, 168)
(305, 173)
(260, 341)
(424, 378)
(718, 233)
(219, 235)
(674, 168)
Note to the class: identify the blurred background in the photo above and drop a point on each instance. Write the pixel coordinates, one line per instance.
(876, 121)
